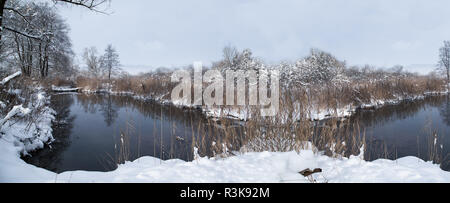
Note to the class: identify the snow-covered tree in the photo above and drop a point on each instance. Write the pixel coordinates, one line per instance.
(55, 50)
(89, 4)
(318, 68)
(290, 75)
(52, 50)
(246, 61)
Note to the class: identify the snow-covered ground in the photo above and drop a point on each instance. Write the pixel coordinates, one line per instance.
(24, 135)
(18, 137)
(265, 167)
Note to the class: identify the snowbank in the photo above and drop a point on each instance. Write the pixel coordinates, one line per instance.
(265, 167)
(18, 137)
(28, 136)
(64, 89)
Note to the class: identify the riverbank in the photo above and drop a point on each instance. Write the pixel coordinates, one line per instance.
(19, 137)
(263, 167)
(244, 113)
(31, 133)
(300, 98)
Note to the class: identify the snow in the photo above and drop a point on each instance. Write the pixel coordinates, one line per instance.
(17, 110)
(7, 79)
(64, 89)
(261, 167)
(28, 136)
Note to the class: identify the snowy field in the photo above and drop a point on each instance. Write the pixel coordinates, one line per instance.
(263, 167)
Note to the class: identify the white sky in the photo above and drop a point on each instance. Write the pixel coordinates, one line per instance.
(153, 33)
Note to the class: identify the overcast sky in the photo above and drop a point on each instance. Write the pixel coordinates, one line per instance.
(155, 33)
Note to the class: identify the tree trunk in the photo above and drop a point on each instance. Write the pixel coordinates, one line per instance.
(448, 79)
(46, 67)
(29, 54)
(40, 59)
(46, 60)
(2, 6)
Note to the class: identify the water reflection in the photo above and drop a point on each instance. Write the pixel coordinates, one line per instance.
(445, 110)
(90, 130)
(411, 128)
(50, 157)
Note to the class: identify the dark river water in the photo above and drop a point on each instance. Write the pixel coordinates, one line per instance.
(89, 130)
(418, 128)
(92, 130)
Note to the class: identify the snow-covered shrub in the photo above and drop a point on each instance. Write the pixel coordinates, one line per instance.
(239, 61)
(318, 68)
(25, 117)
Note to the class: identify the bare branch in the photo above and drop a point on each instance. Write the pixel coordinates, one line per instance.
(18, 13)
(89, 4)
(23, 33)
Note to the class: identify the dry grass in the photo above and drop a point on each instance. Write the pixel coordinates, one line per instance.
(364, 92)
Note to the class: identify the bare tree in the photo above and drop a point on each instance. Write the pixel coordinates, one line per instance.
(444, 60)
(110, 61)
(229, 54)
(92, 60)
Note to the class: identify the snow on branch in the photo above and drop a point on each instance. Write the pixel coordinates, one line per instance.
(7, 79)
(18, 13)
(23, 33)
(16, 111)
